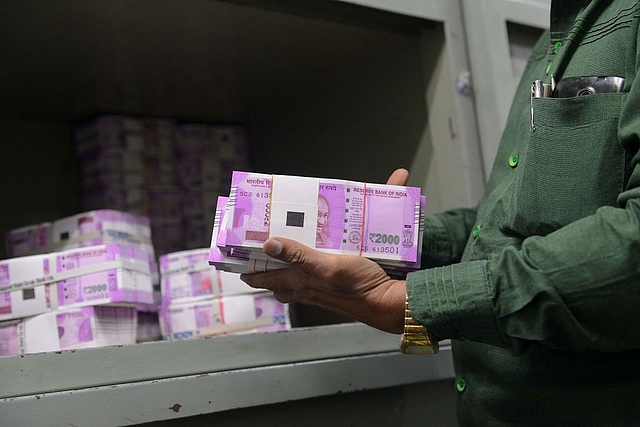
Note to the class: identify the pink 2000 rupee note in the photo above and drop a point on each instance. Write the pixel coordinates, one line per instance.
(373, 220)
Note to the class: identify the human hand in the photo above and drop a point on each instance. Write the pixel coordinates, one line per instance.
(350, 285)
(347, 284)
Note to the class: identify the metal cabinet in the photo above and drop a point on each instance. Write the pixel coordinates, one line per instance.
(337, 88)
(343, 88)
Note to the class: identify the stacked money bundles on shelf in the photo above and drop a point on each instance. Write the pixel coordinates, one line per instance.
(88, 229)
(127, 164)
(85, 229)
(43, 291)
(206, 156)
(187, 276)
(93, 275)
(198, 300)
(167, 171)
(245, 313)
(83, 327)
(381, 222)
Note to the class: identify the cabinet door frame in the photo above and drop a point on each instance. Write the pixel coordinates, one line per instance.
(448, 164)
(494, 82)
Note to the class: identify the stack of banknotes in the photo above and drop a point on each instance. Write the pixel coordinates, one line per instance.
(200, 301)
(83, 229)
(76, 298)
(90, 228)
(97, 227)
(381, 222)
(95, 275)
(83, 327)
(127, 163)
(91, 259)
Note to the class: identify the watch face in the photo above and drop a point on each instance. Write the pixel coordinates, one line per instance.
(408, 346)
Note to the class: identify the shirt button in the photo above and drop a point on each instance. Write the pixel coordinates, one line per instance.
(476, 231)
(461, 384)
(513, 160)
(556, 47)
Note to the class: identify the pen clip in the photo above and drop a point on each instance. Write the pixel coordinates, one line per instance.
(536, 92)
(539, 90)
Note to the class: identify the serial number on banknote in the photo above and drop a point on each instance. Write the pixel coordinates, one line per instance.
(261, 195)
(385, 249)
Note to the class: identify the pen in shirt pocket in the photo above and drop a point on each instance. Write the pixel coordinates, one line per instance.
(539, 89)
(571, 87)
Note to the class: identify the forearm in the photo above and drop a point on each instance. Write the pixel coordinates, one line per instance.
(350, 285)
(382, 309)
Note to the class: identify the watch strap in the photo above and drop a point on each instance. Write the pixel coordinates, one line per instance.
(416, 339)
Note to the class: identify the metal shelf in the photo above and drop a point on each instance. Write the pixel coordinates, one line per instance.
(156, 381)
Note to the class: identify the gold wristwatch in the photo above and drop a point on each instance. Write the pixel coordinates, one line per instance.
(416, 339)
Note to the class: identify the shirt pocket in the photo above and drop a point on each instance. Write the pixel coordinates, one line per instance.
(574, 162)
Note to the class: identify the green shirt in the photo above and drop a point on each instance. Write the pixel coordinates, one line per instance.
(539, 287)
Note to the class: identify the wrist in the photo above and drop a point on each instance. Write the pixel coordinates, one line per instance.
(384, 310)
(397, 295)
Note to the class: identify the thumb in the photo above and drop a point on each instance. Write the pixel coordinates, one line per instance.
(398, 177)
(288, 250)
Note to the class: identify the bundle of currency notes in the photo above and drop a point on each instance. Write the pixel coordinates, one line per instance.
(82, 327)
(90, 228)
(84, 229)
(199, 301)
(381, 222)
(94, 275)
(230, 259)
(186, 276)
(233, 314)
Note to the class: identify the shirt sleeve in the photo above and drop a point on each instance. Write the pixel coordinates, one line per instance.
(445, 236)
(575, 289)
